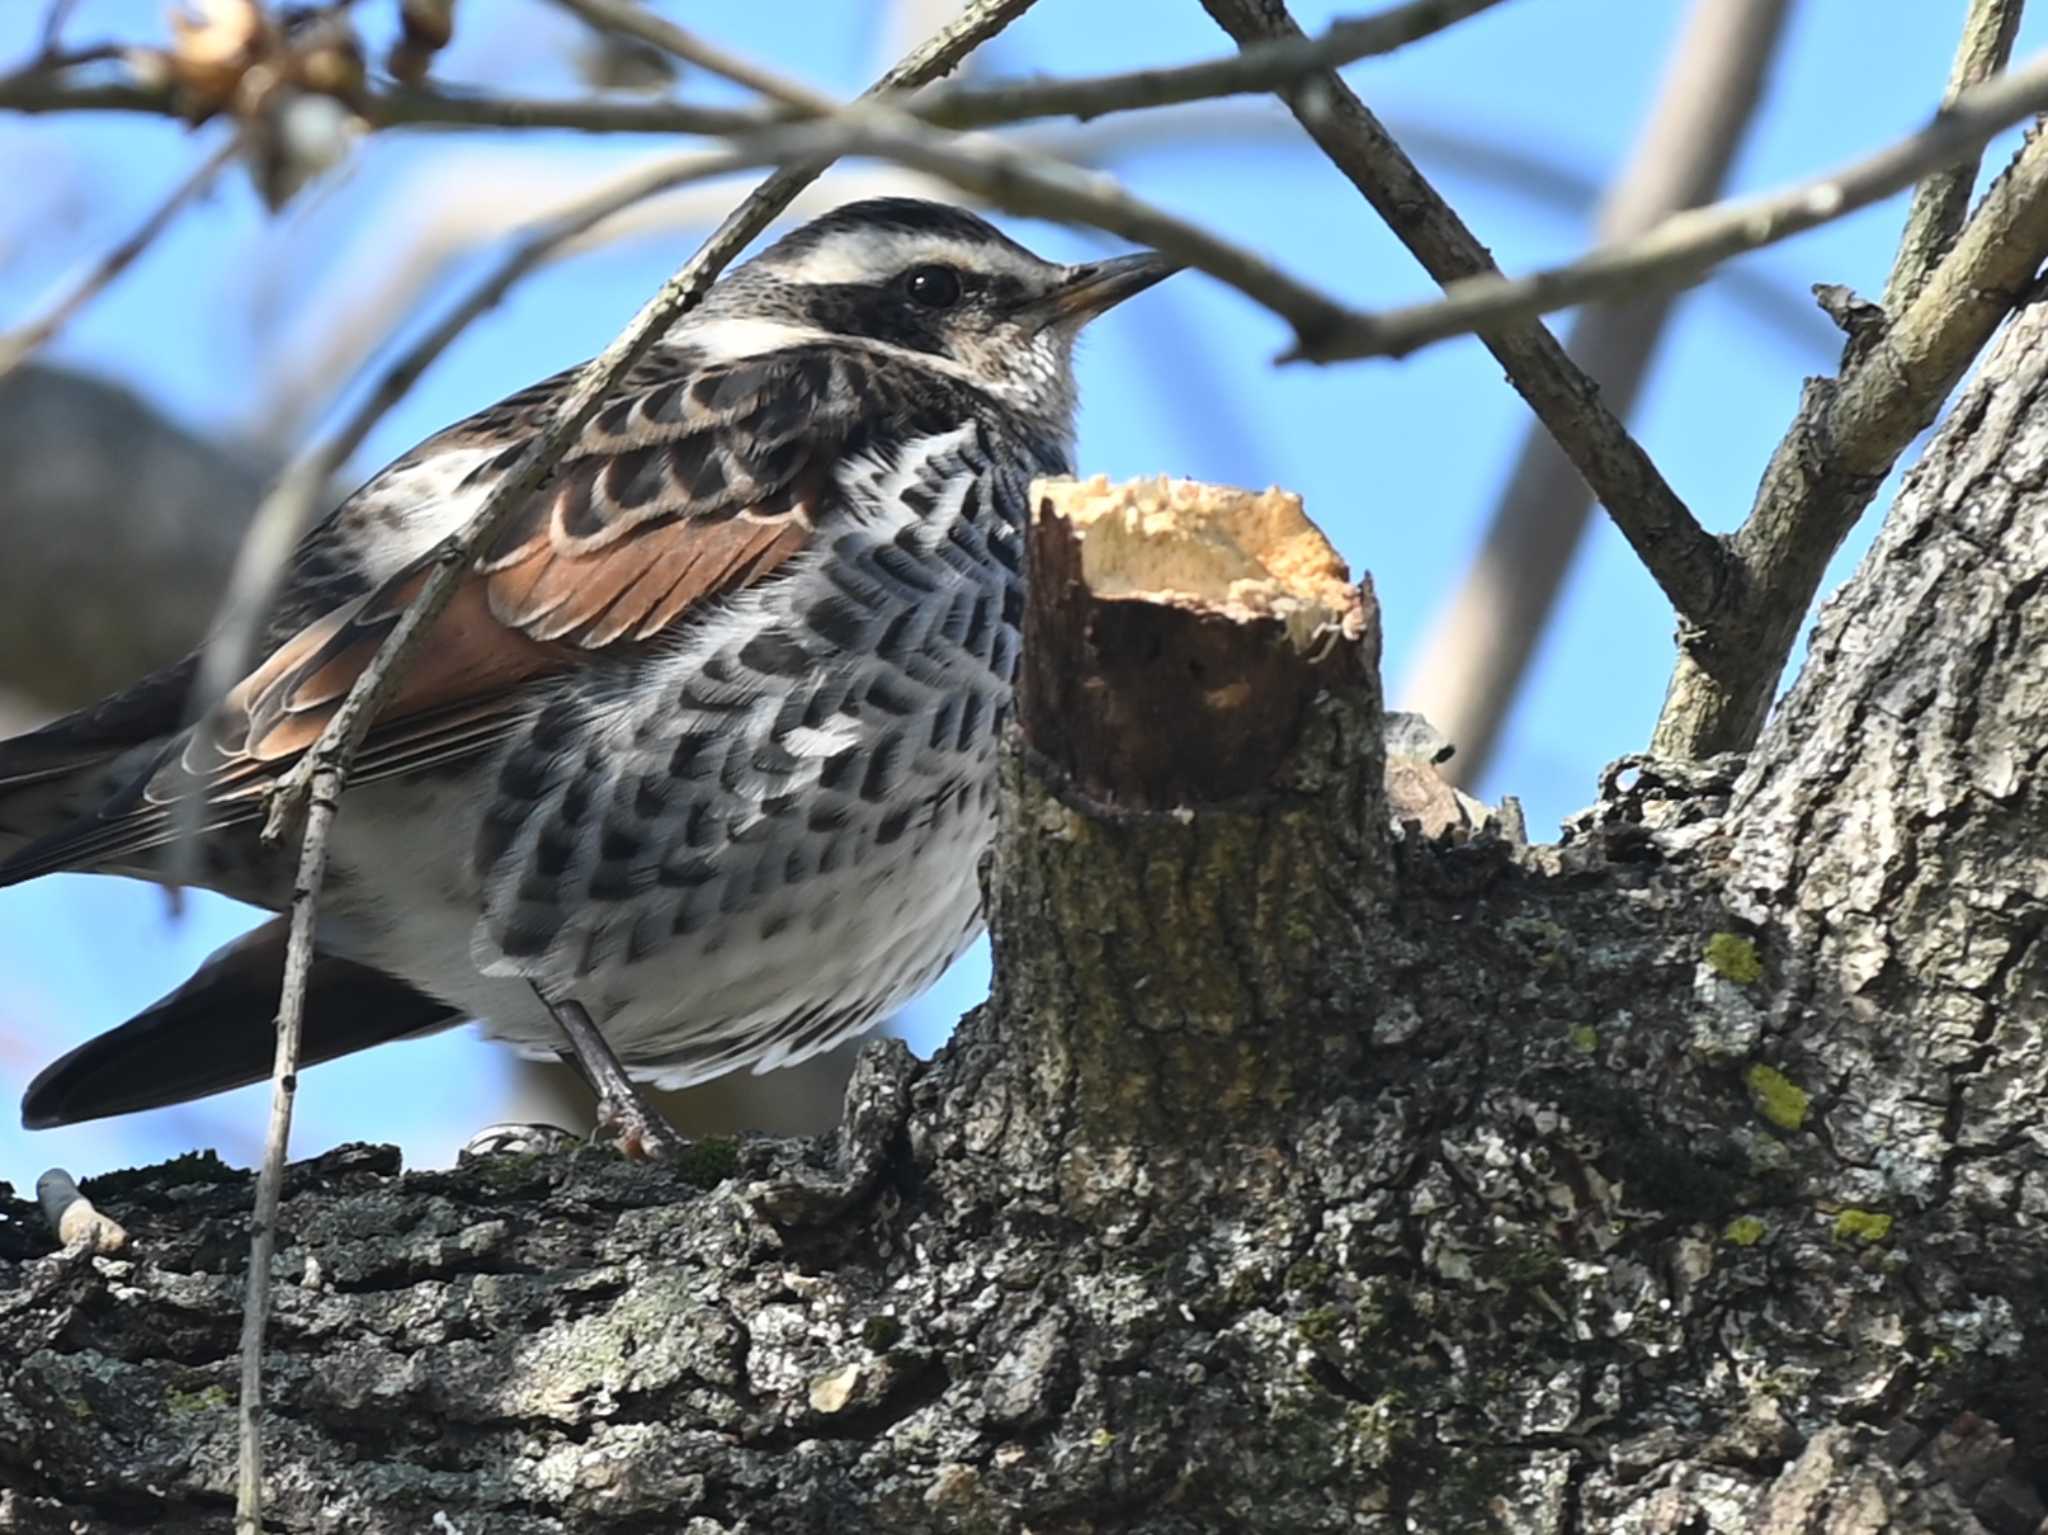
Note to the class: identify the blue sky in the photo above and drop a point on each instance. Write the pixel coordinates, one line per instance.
(1400, 462)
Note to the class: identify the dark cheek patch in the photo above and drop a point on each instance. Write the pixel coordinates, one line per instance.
(850, 309)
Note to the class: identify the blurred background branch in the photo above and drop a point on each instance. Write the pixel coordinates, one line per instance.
(19, 343)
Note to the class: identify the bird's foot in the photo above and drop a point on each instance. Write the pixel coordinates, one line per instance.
(623, 1116)
(637, 1129)
(509, 1140)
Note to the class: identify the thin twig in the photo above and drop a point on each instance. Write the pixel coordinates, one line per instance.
(1263, 67)
(1683, 247)
(1266, 66)
(17, 347)
(658, 32)
(419, 106)
(53, 24)
(460, 219)
(1942, 200)
(1467, 671)
(324, 798)
(322, 773)
(1686, 562)
(39, 90)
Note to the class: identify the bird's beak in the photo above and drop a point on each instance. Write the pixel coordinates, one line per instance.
(1096, 286)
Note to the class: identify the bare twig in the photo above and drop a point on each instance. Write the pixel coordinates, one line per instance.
(1006, 175)
(1263, 67)
(1268, 66)
(39, 90)
(1942, 200)
(53, 24)
(1472, 661)
(322, 773)
(635, 21)
(17, 347)
(1681, 248)
(463, 214)
(1687, 563)
(1847, 436)
(284, 1087)
(465, 204)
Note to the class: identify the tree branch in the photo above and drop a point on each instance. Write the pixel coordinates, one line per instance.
(1681, 248)
(1686, 562)
(1268, 66)
(1848, 434)
(36, 91)
(18, 345)
(1265, 67)
(1942, 201)
(1296, 1179)
(1470, 665)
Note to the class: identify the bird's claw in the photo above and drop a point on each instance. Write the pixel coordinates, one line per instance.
(512, 1140)
(638, 1131)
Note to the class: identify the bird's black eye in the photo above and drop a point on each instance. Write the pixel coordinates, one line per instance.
(935, 287)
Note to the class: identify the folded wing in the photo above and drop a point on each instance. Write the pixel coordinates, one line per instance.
(692, 486)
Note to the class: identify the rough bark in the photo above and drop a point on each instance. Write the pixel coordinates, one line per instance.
(1684, 1176)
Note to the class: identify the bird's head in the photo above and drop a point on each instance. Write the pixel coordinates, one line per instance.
(936, 280)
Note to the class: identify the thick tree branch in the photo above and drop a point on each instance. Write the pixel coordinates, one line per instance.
(1687, 563)
(1847, 436)
(1296, 1180)
(1471, 663)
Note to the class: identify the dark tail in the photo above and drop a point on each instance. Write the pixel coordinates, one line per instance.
(217, 1031)
(71, 767)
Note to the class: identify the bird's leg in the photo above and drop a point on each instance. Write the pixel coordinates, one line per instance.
(622, 1113)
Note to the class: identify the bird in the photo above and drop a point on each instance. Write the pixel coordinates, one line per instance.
(696, 770)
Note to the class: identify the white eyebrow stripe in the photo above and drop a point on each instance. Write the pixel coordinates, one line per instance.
(872, 255)
(728, 338)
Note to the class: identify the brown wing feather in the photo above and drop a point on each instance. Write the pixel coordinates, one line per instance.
(690, 487)
(675, 497)
(499, 631)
